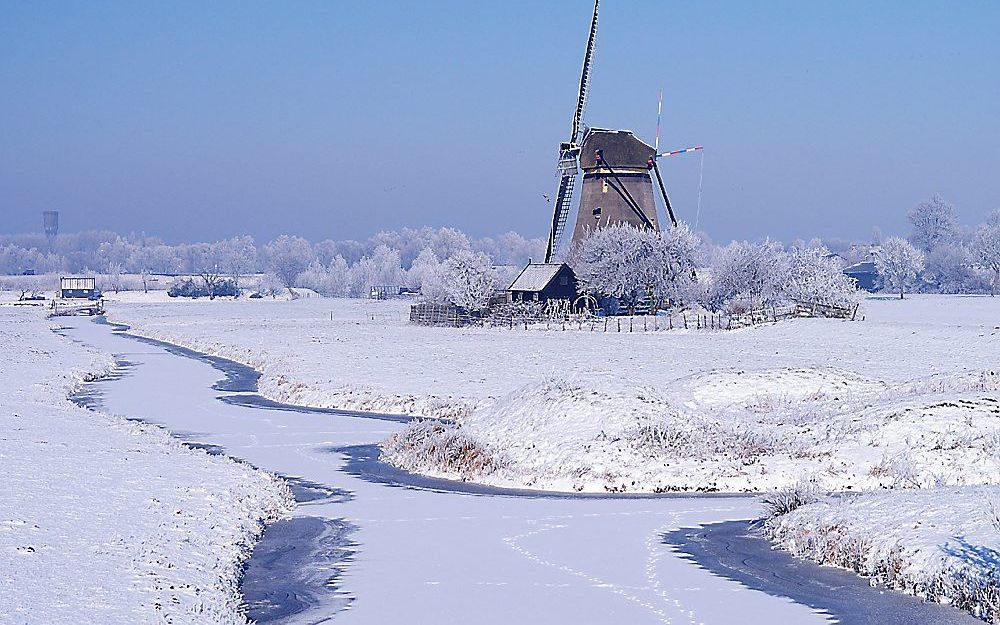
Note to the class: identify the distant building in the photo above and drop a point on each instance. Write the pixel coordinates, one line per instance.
(864, 275)
(541, 282)
(78, 288)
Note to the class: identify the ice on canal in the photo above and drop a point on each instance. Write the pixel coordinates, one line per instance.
(423, 556)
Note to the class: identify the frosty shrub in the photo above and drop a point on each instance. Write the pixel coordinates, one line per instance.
(188, 287)
(438, 447)
(898, 263)
(785, 500)
(815, 277)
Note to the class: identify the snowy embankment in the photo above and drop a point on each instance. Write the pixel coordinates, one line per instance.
(941, 544)
(108, 520)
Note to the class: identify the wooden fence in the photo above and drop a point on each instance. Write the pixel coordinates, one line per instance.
(440, 315)
(453, 316)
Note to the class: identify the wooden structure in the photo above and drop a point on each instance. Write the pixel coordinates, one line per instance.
(617, 187)
(78, 288)
(426, 314)
(542, 282)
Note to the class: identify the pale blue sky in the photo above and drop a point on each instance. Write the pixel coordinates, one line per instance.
(201, 120)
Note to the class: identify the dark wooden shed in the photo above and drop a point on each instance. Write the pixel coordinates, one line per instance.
(541, 282)
(78, 288)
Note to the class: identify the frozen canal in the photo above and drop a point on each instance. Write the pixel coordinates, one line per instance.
(410, 555)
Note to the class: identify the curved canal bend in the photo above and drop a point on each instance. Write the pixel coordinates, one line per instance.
(367, 544)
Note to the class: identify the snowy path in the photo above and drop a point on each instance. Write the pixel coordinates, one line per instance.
(424, 556)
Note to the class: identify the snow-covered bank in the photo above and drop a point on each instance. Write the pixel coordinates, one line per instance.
(108, 520)
(729, 431)
(941, 544)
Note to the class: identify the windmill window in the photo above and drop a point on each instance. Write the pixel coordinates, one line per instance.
(534, 296)
(563, 281)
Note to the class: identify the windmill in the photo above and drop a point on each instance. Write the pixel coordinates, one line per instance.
(617, 185)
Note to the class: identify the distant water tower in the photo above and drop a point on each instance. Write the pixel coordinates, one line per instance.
(50, 223)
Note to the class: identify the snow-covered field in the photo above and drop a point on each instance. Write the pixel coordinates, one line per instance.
(104, 520)
(903, 398)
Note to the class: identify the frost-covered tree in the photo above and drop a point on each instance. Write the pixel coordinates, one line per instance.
(629, 263)
(751, 273)
(934, 222)
(238, 257)
(898, 262)
(205, 262)
(382, 268)
(423, 269)
(948, 268)
(469, 280)
(986, 248)
(287, 257)
(814, 276)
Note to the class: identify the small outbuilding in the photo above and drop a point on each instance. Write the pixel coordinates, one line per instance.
(541, 282)
(864, 275)
(78, 288)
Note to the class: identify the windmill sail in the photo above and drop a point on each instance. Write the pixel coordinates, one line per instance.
(569, 152)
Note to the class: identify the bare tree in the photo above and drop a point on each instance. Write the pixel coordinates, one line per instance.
(898, 262)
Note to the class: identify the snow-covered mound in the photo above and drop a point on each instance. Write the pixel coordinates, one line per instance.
(104, 520)
(726, 430)
(941, 544)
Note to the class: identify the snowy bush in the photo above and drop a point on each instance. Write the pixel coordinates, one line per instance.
(431, 446)
(753, 273)
(815, 277)
(188, 287)
(898, 263)
(784, 500)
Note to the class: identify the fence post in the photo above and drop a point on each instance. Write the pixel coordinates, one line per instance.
(670, 322)
(630, 323)
(643, 324)
(619, 320)
(685, 318)
(853, 314)
(605, 324)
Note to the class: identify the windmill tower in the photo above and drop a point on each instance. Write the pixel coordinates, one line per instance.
(616, 165)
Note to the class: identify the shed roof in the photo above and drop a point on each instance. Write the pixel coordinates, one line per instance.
(862, 267)
(536, 276)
